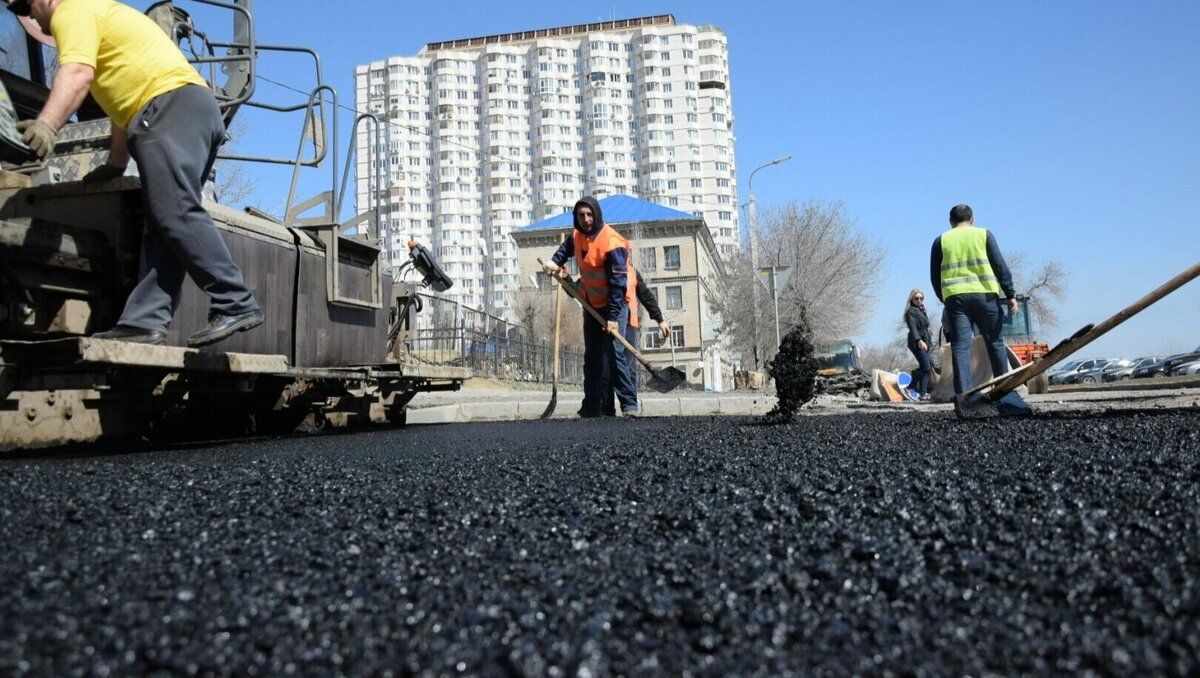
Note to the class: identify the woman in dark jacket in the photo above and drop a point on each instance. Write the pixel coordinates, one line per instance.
(919, 341)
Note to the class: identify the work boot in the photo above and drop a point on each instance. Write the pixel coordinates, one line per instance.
(136, 335)
(221, 326)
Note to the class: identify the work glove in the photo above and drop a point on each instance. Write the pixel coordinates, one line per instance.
(551, 269)
(102, 173)
(38, 136)
(664, 329)
(614, 328)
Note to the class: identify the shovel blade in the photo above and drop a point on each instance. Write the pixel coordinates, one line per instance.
(979, 406)
(553, 402)
(667, 379)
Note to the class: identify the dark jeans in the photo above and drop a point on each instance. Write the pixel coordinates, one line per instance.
(631, 366)
(604, 369)
(986, 311)
(174, 142)
(920, 376)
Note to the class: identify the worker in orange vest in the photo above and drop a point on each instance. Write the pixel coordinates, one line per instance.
(647, 300)
(603, 258)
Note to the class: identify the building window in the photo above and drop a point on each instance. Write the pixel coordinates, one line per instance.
(652, 340)
(647, 260)
(674, 298)
(676, 336)
(671, 257)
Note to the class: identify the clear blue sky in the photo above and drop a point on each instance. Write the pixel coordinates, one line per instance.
(1071, 127)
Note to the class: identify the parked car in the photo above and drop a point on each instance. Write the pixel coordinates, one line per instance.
(1154, 369)
(1063, 367)
(1127, 372)
(1163, 367)
(1186, 368)
(1176, 360)
(1097, 372)
(1083, 366)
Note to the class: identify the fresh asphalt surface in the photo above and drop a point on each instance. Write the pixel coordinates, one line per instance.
(887, 543)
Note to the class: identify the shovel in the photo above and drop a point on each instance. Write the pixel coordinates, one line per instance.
(663, 380)
(999, 398)
(557, 320)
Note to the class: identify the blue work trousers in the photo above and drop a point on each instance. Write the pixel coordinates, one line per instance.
(986, 311)
(604, 368)
(631, 366)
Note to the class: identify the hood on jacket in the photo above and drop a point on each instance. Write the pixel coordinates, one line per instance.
(597, 224)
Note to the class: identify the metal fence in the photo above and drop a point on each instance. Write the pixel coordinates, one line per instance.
(449, 333)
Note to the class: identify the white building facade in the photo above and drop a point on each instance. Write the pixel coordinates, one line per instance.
(485, 135)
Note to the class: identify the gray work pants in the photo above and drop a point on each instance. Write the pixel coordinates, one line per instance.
(174, 141)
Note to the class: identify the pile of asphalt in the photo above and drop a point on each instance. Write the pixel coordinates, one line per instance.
(794, 370)
(905, 543)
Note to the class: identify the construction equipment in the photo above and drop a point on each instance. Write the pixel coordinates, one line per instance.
(332, 351)
(1018, 333)
(662, 379)
(997, 397)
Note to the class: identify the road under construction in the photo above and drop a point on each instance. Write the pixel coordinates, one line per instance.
(859, 541)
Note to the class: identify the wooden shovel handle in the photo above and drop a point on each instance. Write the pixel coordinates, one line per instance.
(1066, 348)
(587, 306)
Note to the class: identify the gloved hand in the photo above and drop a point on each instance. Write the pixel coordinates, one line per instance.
(551, 269)
(664, 330)
(105, 172)
(38, 136)
(614, 328)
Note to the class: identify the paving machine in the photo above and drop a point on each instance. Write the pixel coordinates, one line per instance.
(332, 350)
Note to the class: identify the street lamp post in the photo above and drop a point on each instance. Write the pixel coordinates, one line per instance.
(754, 246)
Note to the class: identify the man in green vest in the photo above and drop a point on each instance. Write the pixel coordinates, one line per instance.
(968, 273)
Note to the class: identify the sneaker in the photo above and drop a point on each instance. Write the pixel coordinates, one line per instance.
(221, 326)
(925, 397)
(631, 413)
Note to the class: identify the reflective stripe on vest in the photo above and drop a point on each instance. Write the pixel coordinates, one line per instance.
(965, 266)
(591, 253)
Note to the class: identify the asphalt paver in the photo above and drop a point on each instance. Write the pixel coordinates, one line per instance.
(884, 544)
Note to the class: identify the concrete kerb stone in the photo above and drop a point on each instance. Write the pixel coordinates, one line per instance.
(491, 411)
(443, 414)
(527, 409)
(745, 405)
(699, 407)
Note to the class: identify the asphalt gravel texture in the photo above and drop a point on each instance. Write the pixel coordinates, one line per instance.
(907, 544)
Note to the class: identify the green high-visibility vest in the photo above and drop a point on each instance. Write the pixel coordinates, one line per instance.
(965, 265)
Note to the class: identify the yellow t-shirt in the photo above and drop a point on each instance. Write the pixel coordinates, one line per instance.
(134, 59)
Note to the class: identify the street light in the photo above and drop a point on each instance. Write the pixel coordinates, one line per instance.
(754, 245)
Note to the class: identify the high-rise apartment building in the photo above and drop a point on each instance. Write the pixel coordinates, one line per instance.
(485, 135)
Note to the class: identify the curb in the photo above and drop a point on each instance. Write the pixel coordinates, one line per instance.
(532, 410)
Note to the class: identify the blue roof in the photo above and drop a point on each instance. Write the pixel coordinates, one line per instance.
(617, 209)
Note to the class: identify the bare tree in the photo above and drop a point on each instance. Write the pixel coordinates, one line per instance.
(1046, 288)
(835, 270)
(889, 357)
(535, 310)
(233, 184)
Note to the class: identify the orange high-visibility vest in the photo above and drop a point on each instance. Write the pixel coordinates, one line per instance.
(633, 303)
(591, 253)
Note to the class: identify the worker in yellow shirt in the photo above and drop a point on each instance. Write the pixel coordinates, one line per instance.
(165, 117)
